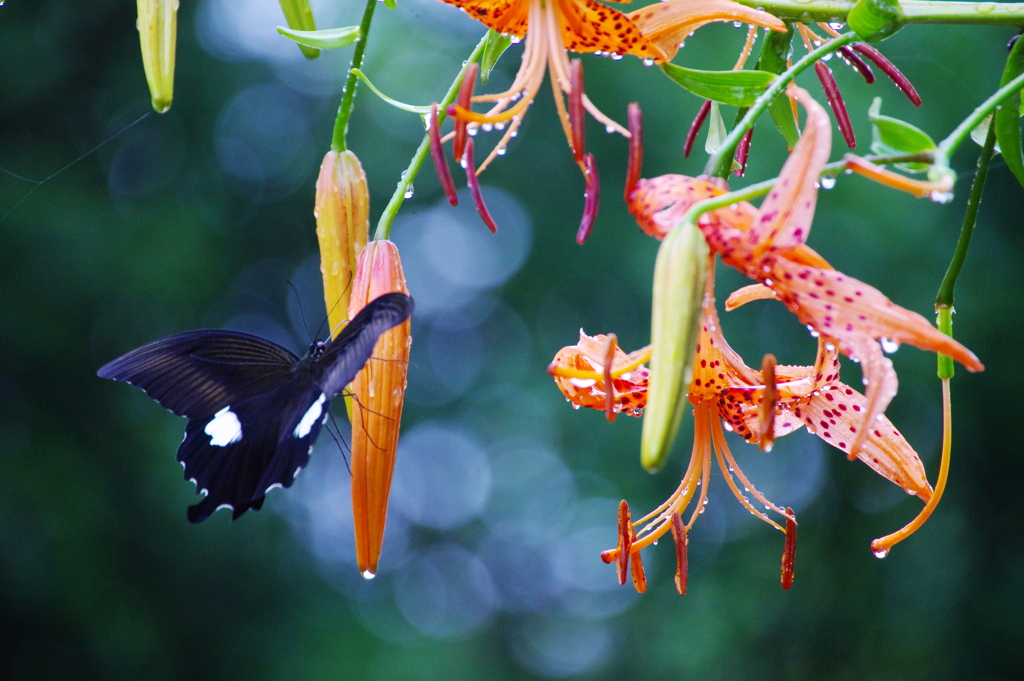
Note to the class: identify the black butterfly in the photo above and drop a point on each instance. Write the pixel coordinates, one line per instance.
(254, 408)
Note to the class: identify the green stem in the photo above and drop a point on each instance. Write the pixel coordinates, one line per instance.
(719, 164)
(944, 300)
(409, 174)
(345, 109)
(915, 11)
(950, 144)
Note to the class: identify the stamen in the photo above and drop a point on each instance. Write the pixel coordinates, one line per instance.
(636, 148)
(609, 386)
(747, 47)
(769, 398)
(474, 188)
(444, 173)
(789, 551)
(722, 449)
(682, 541)
(592, 199)
(742, 152)
(695, 127)
(884, 176)
(639, 578)
(625, 541)
(463, 102)
(882, 545)
(890, 70)
(858, 64)
(835, 100)
(576, 119)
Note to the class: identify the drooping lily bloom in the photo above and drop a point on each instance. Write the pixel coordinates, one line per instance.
(767, 244)
(581, 372)
(552, 28)
(729, 395)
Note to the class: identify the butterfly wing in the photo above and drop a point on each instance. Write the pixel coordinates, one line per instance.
(197, 373)
(346, 354)
(246, 449)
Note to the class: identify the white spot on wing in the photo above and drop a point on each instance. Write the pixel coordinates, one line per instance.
(224, 429)
(276, 485)
(310, 417)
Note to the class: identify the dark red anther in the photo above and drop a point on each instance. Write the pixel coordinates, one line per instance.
(835, 100)
(464, 101)
(742, 152)
(695, 127)
(444, 173)
(609, 385)
(592, 197)
(625, 541)
(682, 541)
(576, 119)
(858, 64)
(789, 552)
(474, 188)
(636, 148)
(890, 70)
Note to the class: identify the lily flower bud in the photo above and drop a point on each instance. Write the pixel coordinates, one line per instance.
(378, 395)
(299, 16)
(680, 273)
(342, 212)
(158, 34)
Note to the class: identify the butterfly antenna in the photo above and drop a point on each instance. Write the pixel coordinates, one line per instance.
(336, 303)
(298, 300)
(362, 423)
(339, 443)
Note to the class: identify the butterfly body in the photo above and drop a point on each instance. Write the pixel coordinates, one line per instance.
(254, 408)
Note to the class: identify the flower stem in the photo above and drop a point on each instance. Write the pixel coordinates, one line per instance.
(719, 164)
(345, 109)
(944, 300)
(915, 11)
(409, 174)
(949, 145)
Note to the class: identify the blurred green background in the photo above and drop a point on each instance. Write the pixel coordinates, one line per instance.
(504, 495)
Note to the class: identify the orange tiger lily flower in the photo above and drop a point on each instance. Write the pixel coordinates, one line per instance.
(551, 28)
(767, 244)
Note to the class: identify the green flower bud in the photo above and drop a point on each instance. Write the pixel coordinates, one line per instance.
(876, 20)
(680, 273)
(158, 34)
(299, 16)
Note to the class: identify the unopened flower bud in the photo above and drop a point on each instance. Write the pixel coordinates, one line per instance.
(158, 34)
(378, 395)
(342, 223)
(679, 276)
(299, 16)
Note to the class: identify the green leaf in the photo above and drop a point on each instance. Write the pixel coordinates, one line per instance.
(299, 16)
(493, 49)
(327, 39)
(1007, 117)
(735, 88)
(716, 129)
(412, 108)
(893, 136)
(875, 20)
(774, 53)
(980, 133)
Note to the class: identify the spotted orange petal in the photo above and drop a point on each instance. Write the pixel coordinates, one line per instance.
(504, 16)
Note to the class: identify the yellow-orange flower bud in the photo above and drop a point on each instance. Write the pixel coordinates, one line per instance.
(158, 34)
(378, 394)
(342, 214)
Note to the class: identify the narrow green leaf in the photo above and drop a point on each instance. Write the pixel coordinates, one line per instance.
(893, 136)
(412, 108)
(775, 52)
(1007, 117)
(327, 39)
(735, 88)
(493, 49)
